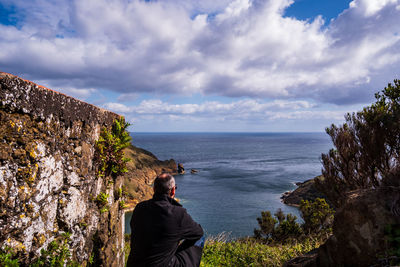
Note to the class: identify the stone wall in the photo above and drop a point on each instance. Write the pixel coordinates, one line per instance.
(48, 181)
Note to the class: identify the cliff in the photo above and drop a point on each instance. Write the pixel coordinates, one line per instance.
(305, 191)
(49, 178)
(143, 168)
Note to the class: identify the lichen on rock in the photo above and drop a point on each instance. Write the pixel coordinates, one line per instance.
(48, 174)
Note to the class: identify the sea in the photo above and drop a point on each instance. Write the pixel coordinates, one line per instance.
(239, 174)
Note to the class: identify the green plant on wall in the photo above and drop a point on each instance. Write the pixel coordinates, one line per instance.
(102, 202)
(122, 205)
(56, 254)
(110, 148)
(8, 257)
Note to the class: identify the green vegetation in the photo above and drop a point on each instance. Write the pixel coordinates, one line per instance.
(127, 248)
(102, 199)
(246, 252)
(279, 239)
(8, 258)
(109, 148)
(286, 229)
(392, 236)
(317, 216)
(249, 252)
(367, 148)
(57, 254)
(102, 202)
(122, 204)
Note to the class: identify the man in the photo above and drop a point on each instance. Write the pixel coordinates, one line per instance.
(163, 233)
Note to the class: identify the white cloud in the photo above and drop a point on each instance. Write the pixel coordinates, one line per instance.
(238, 110)
(372, 7)
(248, 49)
(127, 97)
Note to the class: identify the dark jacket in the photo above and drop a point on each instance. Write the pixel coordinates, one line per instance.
(158, 225)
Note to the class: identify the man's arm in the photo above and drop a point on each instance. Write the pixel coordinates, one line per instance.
(190, 230)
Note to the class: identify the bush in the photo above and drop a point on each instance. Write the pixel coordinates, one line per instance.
(267, 226)
(287, 227)
(317, 215)
(367, 148)
(109, 149)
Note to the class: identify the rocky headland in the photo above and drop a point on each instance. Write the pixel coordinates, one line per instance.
(305, 191)
(143, 168)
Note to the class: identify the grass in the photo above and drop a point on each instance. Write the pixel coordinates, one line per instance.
(249, 252)
(218, 251)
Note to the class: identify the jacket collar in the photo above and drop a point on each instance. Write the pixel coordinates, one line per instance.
(165, 197)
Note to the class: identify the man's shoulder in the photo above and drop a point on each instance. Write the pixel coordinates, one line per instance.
(143, 204)
(168, 203)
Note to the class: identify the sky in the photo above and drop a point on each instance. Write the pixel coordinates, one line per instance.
(208, 66)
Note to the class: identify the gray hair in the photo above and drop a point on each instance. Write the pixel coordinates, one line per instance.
(164, 183)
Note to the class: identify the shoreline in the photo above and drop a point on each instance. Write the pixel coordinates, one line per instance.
(305, 191)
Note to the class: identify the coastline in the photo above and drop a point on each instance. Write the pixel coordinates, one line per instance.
(305, 191)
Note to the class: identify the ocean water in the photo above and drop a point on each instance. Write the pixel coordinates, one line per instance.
(239, 174)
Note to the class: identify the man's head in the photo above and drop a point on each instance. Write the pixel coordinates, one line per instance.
(165, 184)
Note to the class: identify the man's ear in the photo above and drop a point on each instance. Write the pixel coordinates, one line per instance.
(172, 194)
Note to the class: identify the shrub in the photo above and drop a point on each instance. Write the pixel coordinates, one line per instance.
(287, 227)
(367, 148)
(8, 258)
(317, 215)
(267, 226)
(109, 148)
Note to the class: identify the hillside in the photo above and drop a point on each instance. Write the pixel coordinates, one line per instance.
(143, 168)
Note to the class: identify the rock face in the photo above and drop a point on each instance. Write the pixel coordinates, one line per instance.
(142, 170)
(305, 190)
(358, 231)
(48, 175)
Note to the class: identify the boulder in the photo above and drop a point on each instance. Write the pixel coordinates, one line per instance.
(359, 228)
(181, 169)
(306, 260)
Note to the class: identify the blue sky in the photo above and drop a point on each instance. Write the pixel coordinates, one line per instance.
(227, 65)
